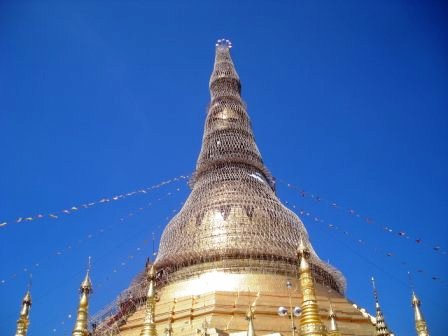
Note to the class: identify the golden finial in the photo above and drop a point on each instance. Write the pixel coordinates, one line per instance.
(24, 319)
(333, 330)
(310, 322)
(420, 323)
(86, 285)
(149, 323)
(250, 318)
(81, 324)
(381, 327)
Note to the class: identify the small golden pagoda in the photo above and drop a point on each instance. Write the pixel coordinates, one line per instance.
(149, 324)
(81, 324)
(420, 323)
(23, 322)
(333, 329)
(310, 321)
(233, 241)
(380, 324)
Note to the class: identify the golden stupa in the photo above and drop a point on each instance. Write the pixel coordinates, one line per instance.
(232, 248)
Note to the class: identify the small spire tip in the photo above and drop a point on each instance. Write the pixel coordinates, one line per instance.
(223, 44)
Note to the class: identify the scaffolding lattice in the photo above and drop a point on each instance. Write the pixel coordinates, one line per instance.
(232, 220)
(233, 211)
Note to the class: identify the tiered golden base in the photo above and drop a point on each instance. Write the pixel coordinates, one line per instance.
(218, 302)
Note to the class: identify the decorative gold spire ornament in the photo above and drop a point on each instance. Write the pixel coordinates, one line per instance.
(310, 322)
(381, 326)
(81, 324)
(250, 318)
(24, 319)
(420, 323)
(333, 330)
(149, 323)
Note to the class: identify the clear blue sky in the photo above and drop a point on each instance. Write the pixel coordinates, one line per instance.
(348, 100)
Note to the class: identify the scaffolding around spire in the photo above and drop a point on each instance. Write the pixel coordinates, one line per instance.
(233, 220)
(232, 224)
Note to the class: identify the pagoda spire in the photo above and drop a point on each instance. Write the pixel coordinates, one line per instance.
(24, 319)
(81, 324)
(149, 323)
(381, 326)
(310, 322)
(228, 136)
(420, 322)
(250, 318)
(232, 212)
(333, 330)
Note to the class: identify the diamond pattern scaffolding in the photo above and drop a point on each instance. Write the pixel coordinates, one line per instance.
(232, 221)
(233, 218)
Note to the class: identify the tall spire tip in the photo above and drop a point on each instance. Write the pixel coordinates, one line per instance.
(86, 284)
(223, 44)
